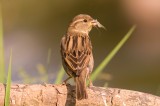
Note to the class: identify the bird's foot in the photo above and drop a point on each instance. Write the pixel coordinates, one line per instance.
(65, 83)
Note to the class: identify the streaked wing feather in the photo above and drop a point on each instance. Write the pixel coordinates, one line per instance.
(76, 51)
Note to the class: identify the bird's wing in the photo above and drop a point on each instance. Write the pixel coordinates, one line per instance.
(76, 51)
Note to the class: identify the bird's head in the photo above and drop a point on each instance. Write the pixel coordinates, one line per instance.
(83, 23)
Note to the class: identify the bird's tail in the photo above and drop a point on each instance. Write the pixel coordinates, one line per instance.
(81, 92)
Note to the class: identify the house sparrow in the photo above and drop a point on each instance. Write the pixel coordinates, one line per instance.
(76, 51)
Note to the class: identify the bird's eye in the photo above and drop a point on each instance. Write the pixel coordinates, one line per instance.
(85, 20)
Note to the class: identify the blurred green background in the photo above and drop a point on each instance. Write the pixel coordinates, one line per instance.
(33, 29)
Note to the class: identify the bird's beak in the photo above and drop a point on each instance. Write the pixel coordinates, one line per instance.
(95, 23)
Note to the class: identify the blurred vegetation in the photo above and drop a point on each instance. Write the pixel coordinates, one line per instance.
(2, 64)
(60, 76)
(26, 78)
(9, 80)
(108, 58)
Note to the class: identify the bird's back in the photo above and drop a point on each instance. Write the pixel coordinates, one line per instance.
(76, 50)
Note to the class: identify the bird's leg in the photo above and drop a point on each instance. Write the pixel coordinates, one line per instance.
(90, 82)
(65, 81)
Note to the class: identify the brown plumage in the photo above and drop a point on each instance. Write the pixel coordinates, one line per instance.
(76, 51)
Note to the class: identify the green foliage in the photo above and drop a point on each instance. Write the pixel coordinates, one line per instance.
(60, 75)
(108, 58)
(7, 93)
(2, 65)
(43, 72)
(25, 77)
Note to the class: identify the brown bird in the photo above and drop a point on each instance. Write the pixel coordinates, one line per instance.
(76, 51)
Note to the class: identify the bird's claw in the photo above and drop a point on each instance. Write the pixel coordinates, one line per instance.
(65, 83)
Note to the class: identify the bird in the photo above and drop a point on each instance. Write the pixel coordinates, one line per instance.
(76, 52)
